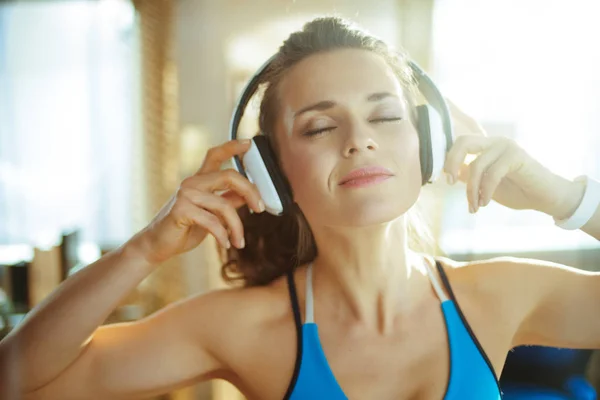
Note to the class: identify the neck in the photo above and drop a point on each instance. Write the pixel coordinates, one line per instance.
(368, 274)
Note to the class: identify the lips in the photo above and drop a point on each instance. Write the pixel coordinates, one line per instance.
(366, 172)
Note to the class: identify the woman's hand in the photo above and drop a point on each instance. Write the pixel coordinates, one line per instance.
(504, 172)
(196, 209)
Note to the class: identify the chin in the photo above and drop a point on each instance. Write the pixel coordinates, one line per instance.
(373, 214)
(363, 207)
(360, 213)
(386, 205)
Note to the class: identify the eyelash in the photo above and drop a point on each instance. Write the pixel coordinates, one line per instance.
(376, 121)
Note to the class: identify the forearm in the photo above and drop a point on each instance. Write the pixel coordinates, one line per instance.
(56, 331)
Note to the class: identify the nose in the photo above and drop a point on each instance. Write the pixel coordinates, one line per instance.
(359, 138)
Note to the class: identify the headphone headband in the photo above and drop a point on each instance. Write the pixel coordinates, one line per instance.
(434, 97)
(434, 127)
(424, 83)
(240, 107)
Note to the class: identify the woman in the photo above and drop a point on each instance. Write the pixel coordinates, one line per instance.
(383, 333)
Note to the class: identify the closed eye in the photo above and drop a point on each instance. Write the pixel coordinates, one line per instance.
(389, 119)
(318, 131)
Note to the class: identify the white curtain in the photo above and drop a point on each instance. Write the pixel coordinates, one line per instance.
(527, 70)
(66, 120)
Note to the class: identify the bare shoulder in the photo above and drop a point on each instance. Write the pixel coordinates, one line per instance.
(492, 288)
(237, 318)
(510, 286)
(499, 274)
(534, 301)
(240, 304)
(488, 293)
(488, 275)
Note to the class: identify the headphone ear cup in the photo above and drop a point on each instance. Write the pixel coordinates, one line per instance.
(433, 143)
(425, 149)
(279, 181)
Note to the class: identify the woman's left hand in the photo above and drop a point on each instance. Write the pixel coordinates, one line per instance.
(504, 172)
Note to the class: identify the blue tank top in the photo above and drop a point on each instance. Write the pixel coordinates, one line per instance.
(471, 373)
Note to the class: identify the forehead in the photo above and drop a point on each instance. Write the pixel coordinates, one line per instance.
(338, 75)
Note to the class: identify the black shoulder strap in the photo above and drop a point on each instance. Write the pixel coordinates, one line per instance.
(465, 323)
(445, 281)
(298, 322)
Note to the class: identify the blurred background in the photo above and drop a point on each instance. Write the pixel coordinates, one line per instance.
(106, 105)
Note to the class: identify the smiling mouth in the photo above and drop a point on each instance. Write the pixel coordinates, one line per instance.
(365, 175)
(365, 181)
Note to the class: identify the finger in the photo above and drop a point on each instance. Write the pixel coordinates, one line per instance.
(191, 215)
(463, 172)
(216, 156)
(234, 199)
(219, 207)
(463, 145)
(225, 180)
(476, 170)
(493, 176)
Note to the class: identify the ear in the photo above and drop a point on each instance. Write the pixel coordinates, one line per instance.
(463, 123)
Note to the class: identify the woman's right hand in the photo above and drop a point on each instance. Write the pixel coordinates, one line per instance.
(196, 210)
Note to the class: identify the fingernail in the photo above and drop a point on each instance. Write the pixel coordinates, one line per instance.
(242, 243)
(470, 208)
(245, 141)
(449, 178)
(480, 202)
(261, 205)
(227, 245)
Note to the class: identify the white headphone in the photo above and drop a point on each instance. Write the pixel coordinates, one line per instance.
(434, 126)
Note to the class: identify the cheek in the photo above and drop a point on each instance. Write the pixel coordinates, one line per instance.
(406, 151)
(306, 171)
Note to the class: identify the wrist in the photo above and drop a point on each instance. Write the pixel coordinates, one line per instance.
(571, 194)
(136, 251)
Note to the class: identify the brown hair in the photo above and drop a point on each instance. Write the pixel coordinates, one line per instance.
(276, 245)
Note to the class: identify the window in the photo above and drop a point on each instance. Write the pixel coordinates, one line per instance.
(527, 70)
(67, 109)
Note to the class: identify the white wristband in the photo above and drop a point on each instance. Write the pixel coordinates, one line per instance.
(586, 209)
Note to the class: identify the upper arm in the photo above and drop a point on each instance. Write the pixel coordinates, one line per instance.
(555, 305)
(167, 350)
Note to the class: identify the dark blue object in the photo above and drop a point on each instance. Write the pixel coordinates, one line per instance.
(546, 373)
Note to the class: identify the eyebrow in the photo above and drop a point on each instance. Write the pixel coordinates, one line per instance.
(327, 104)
